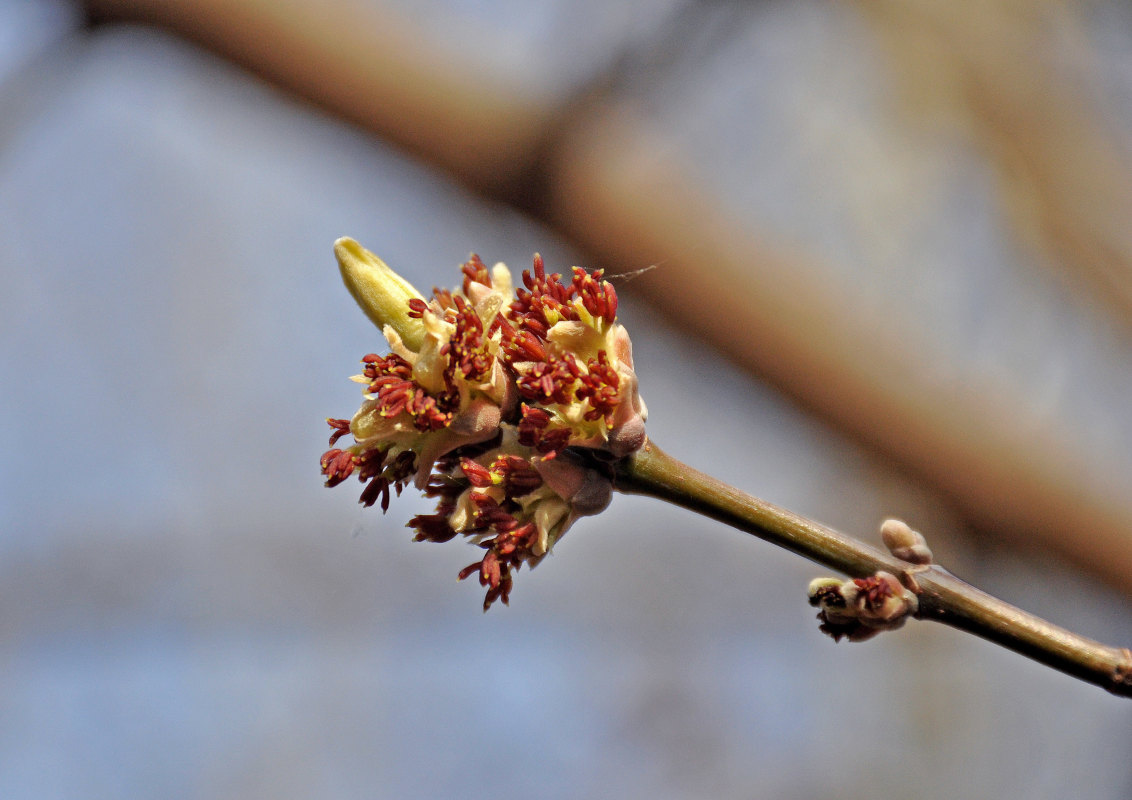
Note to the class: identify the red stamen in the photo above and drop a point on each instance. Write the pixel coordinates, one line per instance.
(417, 308)
(475, 271)
(519, 476)
(432, 528)
(477, 474)
(874, 590)
(600, 387)
(338, 465)
(340, 428)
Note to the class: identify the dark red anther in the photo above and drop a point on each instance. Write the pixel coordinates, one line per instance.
(432, 528)
(553, 442)
(519, 476)
(417, 308)
(536, 326)
(538, 417)
(610, 303)
(471, 569)
(875, 590)
(477, 474)
(549, 381)
(370, 463)
(496, 518)
(338, 465)
(377, 488)
(600, 387)
(533, 432)
(443, 298)
(392, 398)
(475, 271)
(482, 501)
(339, 428)
(526, 347)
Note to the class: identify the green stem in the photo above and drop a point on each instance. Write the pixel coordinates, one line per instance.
(942, 596)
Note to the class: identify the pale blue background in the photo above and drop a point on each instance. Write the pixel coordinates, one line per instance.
(186, 613)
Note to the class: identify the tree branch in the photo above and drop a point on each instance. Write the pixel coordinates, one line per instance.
(941, 596)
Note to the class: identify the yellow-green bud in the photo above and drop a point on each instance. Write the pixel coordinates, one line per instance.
(382, 293)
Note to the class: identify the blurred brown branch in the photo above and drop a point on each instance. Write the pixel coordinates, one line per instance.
(601, 174)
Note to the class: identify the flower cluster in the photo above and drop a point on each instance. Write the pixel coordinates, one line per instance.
(860, 608)
(489, 401)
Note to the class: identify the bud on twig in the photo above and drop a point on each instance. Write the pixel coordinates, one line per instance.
(905, 543)
(860, 608)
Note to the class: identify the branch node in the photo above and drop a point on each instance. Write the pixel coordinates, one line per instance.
(1122, 674)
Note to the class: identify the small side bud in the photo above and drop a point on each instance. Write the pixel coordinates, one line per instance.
(382, 293)
(860, 608)
(883, 602)
(835, 611)
(904, 543)
(627, 437)
(588, 491)
(825, 591)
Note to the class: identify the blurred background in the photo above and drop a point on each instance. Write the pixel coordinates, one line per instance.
(893, 277)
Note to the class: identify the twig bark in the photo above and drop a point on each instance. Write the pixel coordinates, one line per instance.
(942, 596)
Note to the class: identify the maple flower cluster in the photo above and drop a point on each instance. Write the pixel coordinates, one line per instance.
(493, 401)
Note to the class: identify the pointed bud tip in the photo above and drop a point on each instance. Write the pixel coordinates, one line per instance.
(380, 292)
(345, 245)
